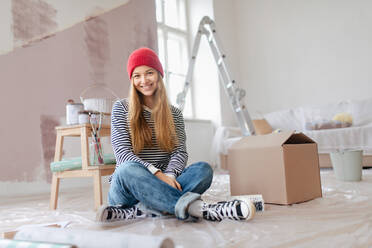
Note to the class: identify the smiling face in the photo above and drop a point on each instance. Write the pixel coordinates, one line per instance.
(145, 80)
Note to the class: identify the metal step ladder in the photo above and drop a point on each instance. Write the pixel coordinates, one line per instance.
(234, 93)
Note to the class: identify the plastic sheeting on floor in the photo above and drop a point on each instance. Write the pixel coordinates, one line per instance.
(342, 218)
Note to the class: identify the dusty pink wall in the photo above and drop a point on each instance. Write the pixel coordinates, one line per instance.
(36, 80)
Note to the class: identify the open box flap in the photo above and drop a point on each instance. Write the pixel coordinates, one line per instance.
(262, 141)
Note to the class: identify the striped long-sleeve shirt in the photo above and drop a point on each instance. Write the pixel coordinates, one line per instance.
(152, 158)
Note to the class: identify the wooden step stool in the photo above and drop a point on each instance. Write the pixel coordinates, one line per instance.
(96, 171)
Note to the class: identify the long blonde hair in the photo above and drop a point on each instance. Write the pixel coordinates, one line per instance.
(165, 131)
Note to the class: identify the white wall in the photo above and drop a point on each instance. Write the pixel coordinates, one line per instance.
(205, 81)
(227, 32)
(289, 53)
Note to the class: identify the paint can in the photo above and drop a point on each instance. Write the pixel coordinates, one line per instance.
(72, 112)
(83, 117)
(97, 117)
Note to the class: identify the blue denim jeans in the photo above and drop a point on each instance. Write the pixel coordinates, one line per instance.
(132, 183)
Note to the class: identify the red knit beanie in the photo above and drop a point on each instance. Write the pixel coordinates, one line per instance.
(144, 56)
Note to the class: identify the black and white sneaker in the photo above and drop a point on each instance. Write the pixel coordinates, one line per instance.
(233, 210)
(108, 214)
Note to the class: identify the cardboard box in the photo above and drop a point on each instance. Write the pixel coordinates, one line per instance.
(283, 167)
(223, 161)
(262, 126)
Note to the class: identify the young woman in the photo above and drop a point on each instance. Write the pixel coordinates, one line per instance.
(148, 139)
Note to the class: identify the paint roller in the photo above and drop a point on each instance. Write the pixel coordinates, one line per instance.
(10, 243)
(257, 200)
(91, 239)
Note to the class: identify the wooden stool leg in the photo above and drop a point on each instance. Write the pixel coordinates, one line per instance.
(84, 148)
(54, 192)
(97, 189)
(59, 147)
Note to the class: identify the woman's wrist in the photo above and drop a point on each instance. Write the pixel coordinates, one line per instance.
(153, 169)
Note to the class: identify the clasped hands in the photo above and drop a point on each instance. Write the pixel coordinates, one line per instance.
(169, 180)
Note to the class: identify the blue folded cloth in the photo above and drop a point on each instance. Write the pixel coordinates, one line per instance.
(75, 163)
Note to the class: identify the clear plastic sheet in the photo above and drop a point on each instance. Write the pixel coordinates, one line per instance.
(342, 218)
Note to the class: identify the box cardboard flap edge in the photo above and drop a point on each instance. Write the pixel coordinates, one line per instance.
(298, 138)
(262, 141)
(271, 140)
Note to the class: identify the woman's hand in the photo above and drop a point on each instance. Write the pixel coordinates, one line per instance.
(171, 181)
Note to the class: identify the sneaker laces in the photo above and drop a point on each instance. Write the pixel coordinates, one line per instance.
(222, 210)
(120, 213)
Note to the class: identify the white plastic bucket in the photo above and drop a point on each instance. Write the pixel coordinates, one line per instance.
(98, 104)
(347, 165)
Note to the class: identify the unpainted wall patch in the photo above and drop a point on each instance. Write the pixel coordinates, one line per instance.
(48, 141)
(32, 20)
(97, 47)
